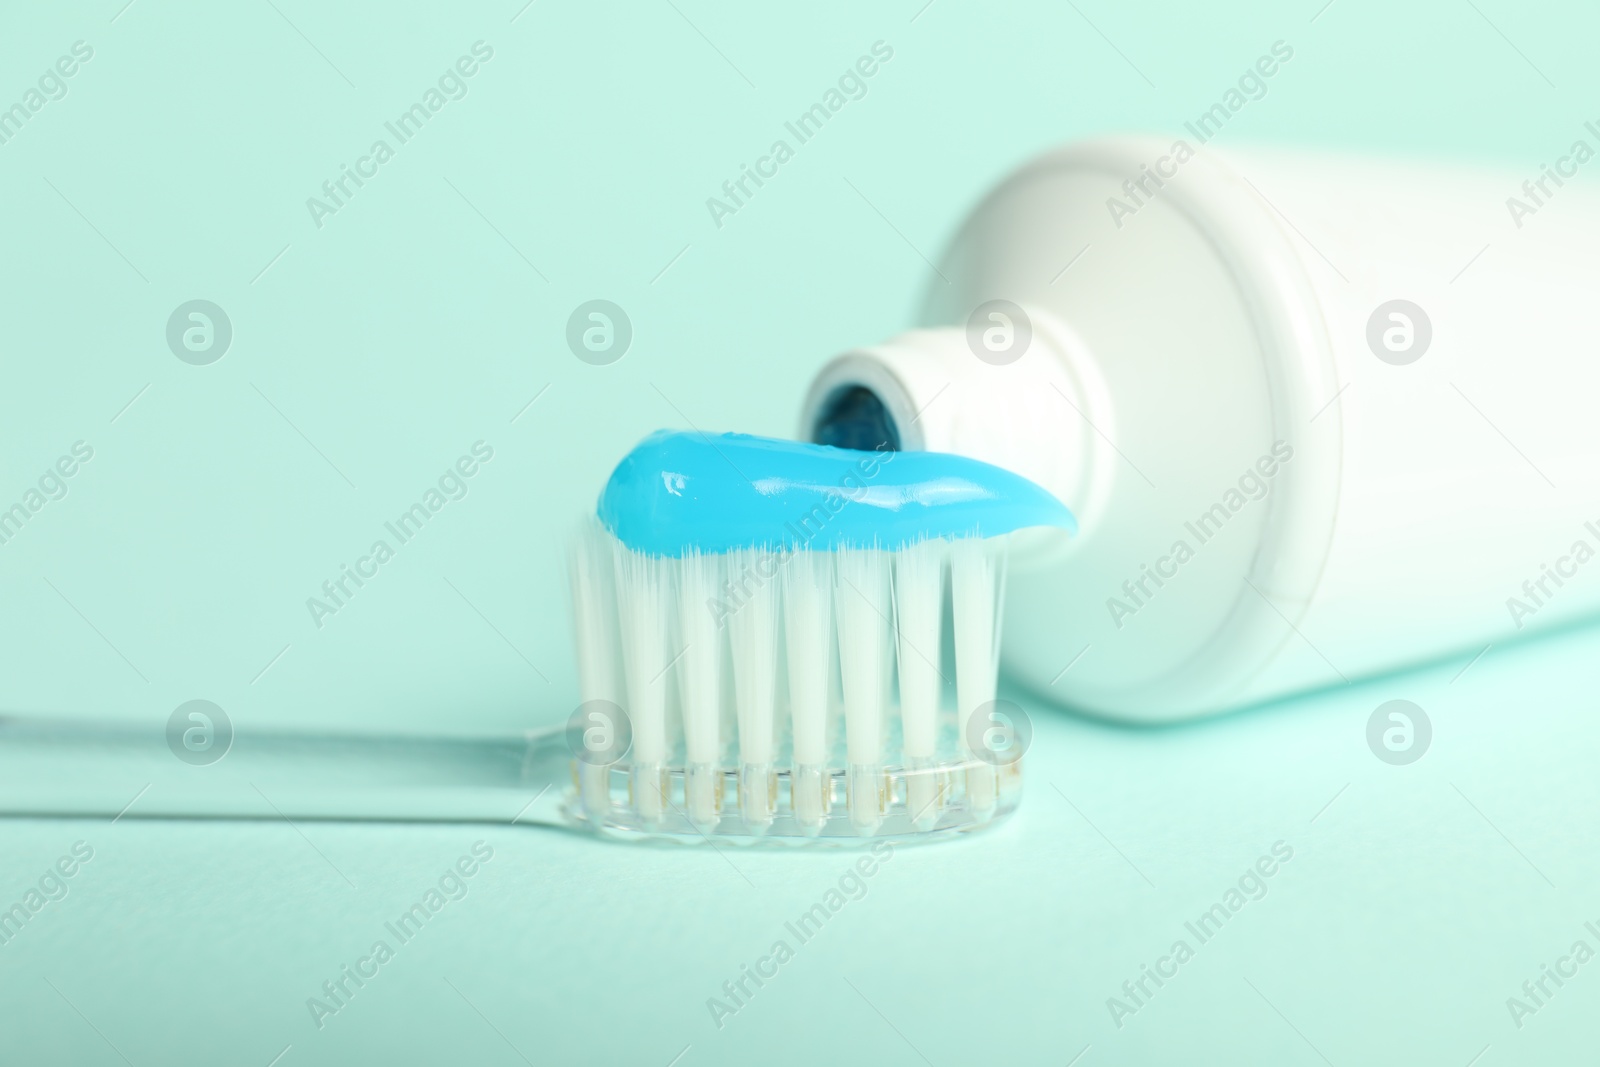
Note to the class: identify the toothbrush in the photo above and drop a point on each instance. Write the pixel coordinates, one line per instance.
(740, 641)
(813, 578)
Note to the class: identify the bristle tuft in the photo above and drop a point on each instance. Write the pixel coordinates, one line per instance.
(807, 586)
(918, 613)
(642, 599)
(753, 639)
(699, 669)
(975, 581)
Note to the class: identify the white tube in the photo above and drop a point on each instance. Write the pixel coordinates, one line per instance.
(1199, 373)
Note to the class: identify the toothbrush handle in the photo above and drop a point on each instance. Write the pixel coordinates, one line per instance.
(78, 768)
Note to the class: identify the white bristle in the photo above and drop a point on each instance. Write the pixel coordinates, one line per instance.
(862, 602)
(738, 648)
(699, 669)
(642, 598)
(594, 614)
(594, 611)
(976, 582)
(918, 616)
(753, 640)
(807, 587)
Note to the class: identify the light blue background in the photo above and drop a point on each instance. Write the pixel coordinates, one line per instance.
(370, 353)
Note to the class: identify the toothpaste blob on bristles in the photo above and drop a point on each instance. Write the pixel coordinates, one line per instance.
(740, 599)
(680, 492)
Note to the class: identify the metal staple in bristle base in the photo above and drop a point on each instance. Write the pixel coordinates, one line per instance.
(887, 793)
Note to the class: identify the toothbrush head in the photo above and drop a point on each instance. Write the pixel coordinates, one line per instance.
(784, 642)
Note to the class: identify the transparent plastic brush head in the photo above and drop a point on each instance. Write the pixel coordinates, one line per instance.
(973, 781)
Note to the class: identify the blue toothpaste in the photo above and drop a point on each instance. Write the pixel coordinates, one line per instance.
(718, 492)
